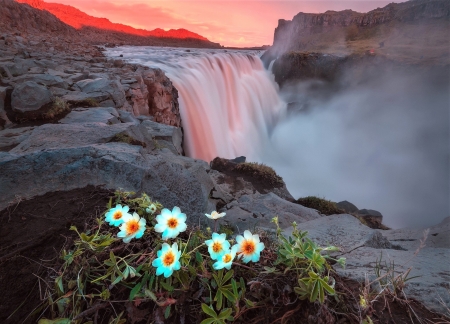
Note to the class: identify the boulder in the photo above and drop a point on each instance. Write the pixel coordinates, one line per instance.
(347, 206)
(112, 88)
(29, 97)
(364, 247)
(112, 165)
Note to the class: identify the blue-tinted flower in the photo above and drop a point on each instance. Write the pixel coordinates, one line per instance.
(168, 260)
(132, 227)
(215, 215)
(226, 259)
(151, 209)
(217, 246)
(115, 215)
(249, 247)
(170, 223)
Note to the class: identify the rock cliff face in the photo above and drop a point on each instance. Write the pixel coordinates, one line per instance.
(294, 34)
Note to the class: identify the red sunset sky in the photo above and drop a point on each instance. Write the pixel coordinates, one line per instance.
(231, 23)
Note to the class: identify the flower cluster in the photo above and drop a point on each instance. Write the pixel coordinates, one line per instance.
(170, 224)
(131, 226)
(248, 248)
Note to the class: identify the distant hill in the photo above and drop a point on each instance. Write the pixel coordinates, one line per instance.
(412, 31)
(101, 30)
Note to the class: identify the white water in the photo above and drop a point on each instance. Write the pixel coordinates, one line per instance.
(228, 101)
(380, 146)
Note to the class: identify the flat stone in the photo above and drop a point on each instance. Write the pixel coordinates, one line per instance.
(90, 115)
(43, 79)
(104, 86)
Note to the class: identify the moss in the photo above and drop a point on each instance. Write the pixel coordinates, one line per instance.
(324, 206)
(89, 102)
(58, 107)
(261, 172)
(125, 138)
(227, 229)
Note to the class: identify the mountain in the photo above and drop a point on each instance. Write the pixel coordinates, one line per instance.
(101, 30)
(407, 30)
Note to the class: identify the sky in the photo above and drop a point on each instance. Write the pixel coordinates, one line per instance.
(230, 23)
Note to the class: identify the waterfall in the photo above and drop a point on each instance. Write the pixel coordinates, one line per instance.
(229, 103)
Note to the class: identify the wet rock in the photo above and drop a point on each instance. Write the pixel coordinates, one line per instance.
(29, 97)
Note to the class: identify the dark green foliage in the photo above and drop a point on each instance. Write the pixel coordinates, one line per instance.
(261, 172)
(324, 206)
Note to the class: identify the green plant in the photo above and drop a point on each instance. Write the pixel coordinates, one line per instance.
(125, 138)
(324, 206)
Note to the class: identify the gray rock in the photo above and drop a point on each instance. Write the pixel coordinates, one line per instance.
(112, 88)
(258, 210)
(165, 135)
(127, 117)
(112, 165)
(10, 138)
(371, 216)
(75, 97)
(363, 246)
(43, 79)
(54, 136)
(29, 97)
(347, 206)
(90, 115)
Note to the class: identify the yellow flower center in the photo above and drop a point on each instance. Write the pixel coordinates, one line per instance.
(117, 215)
(172, 223)
(248, 247)
(217, 247)
(168, 258)
(226, 258)
(132, 227)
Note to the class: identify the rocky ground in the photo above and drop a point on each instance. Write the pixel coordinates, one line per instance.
(74, 121)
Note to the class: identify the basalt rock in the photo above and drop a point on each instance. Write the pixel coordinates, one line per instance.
(29, 97)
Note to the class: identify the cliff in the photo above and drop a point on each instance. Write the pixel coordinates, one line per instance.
(398, 29)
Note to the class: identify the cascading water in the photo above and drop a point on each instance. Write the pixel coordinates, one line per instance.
(377, 144)
(228, 101)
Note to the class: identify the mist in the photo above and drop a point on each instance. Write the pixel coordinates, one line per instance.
(381, 143)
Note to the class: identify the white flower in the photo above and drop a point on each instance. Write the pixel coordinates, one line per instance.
(226, 260)
(115, 215)
(215, 215)
(132, 227)
(217, 246)
(249, 246)
(168, 260)
(151, 209)
(170, 223)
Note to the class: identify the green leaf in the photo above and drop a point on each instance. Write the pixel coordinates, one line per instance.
(219, 299)
(118, 279)
(198, 257)
(227, 276)
(150, 294)
(167, 312)
(209, 311)
(228, 294)
(327, 287)
(314, 292)
(225, 313)
(135, 290)
(59, 283)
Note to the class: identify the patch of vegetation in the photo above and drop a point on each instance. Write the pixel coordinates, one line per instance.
(88, 103)
(59, 106)
(125, 138)
(260, 172)
(324, 206)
